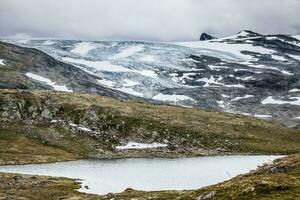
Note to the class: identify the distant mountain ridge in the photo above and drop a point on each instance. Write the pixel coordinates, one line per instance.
(247, 73)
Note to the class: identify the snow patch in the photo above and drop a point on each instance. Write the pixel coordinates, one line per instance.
(2, 62)
(135, 145)
(56, 87)
(129, 83)
(294, 90)
(84, 129)
(217, 68)
(235, 49)
(276, 57)
(213, 82)
(263, 116)
(74, 125)
(147, 73)
(181, 79)
(221, 104)
(296, 57)
(98, 65)
(108, 66)
(286, 72)
(48, 42)
(296, 37)
(245, 78)
(128, 52)
(244, 97)
(130, 91)
(172, 97)
(83, 48)
(148, 58)
(271, 100)
(107, 83)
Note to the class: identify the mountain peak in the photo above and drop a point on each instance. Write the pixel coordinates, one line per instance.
(205, 36)
(247, 33)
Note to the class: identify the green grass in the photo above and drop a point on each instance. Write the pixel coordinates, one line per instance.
(121, 121)
(18, 149)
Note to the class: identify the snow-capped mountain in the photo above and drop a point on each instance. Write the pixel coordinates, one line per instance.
(248, 73)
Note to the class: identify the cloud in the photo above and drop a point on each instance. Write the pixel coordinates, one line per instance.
(159, 20)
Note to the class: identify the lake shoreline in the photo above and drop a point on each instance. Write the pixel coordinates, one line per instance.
(67, 187)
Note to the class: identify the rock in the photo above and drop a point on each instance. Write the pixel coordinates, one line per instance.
(17, 177)
(46, 114)
(278, 169)
(205, 36)
(32, 109)
(207, 196)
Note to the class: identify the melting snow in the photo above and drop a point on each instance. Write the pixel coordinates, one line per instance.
(84, 129)
(263, 116)
(221, 104)
(244, 97)
(209, 81)
(128, 52)
(296, 37)
(286, 72)
(106, 82)
(98, 65)
(235, 49)
(74, 125)
(294, 90)
(130, 91)
(245, 78)
(271, 100)
(129, 83)
(79, 127)
(296, 57)
(83, 48)
(135, 145)
(2, 62)
(171, 97)
(147, 73)
(225, 96)
(48, 42)
(212, 80)
(148, 58)
(108, 66)
(48, 82)
(280, 58)
(217, 68)
(184, 76)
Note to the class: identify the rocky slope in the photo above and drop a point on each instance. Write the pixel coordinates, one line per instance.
(248, 73)
(18, 61)
(86, 126)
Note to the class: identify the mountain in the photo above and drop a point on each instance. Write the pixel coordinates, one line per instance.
(247, 73)
(205, 36)
(28, 68)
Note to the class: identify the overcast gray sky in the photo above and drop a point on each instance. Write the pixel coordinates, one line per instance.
(159, 20)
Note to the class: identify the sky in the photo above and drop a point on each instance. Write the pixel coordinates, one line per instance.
(154, 20)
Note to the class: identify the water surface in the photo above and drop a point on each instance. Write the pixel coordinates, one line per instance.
(104, 176)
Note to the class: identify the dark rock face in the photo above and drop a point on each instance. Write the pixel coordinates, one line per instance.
(205, 36)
